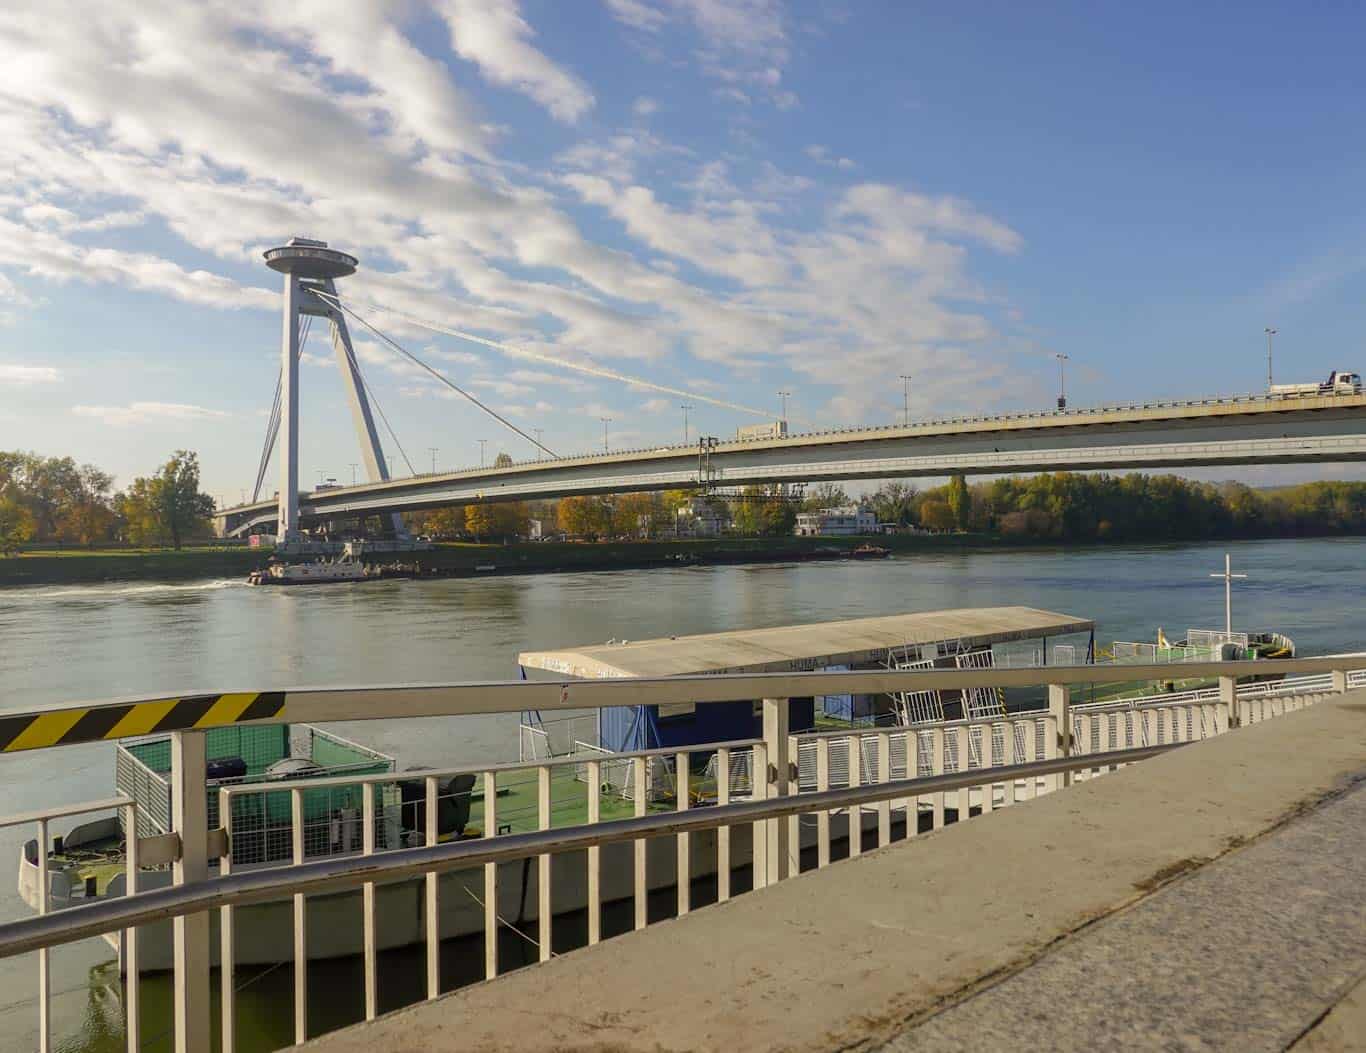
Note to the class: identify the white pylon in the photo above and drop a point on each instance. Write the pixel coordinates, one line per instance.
(307, 266)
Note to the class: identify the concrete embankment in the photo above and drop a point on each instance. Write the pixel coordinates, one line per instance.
(1208, 898)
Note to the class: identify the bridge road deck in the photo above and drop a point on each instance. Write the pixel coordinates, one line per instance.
(905, 942)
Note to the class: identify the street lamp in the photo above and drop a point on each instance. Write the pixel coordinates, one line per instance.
(1269, 334)
(905, 400)
(432, 450)
(353, 473)
(538, 441)
(482, 444)
(685, 406)
(605, 421)
(784, 395)
(1062, 380)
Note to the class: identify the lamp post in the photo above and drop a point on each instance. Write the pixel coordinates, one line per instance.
(1062, 380)
(784, 395)
(538, 441)
(353, 474)
(1269, 334)
(432, 451)
(483, 443)
(685, 406)
(605, 421)
(905, 400)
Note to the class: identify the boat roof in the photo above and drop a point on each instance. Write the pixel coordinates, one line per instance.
(796, 647)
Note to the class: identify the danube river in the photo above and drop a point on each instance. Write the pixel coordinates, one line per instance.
(66, 644)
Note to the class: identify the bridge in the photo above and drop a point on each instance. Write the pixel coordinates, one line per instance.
(1253, 429)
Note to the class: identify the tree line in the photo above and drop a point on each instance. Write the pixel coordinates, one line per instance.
(1068, 506)
(54, 499)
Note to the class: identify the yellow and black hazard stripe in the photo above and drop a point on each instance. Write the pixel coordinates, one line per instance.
(63, 727)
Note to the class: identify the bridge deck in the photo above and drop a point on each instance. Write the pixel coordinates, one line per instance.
(869, 951)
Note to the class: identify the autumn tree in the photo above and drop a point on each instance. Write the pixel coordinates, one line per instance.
(586, 516)
(503, 460)
(16, 524)
(936, 515)
(495, 520)
(633, 512)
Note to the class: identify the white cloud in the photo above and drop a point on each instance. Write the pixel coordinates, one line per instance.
(822, 155)
(644, 106)
(493, 35)
(28, 376)
(148, 413)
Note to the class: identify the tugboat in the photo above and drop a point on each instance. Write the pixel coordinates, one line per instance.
(867, 551)
(323, 572)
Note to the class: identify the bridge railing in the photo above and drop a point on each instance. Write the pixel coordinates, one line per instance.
(741, 814)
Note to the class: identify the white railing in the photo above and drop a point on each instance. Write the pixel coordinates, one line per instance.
(972, 767)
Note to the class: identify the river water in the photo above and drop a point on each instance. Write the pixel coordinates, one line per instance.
(95, 642)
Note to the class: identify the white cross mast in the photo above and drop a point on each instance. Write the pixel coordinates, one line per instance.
(1228, 577)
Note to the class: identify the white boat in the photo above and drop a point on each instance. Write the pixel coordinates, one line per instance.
(322, 572)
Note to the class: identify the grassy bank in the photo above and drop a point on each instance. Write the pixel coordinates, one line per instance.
(79, 566)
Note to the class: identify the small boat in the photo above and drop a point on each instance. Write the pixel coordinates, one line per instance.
(866, 551)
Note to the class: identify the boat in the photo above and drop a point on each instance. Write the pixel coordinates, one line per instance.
(321, 572)
(866, 551)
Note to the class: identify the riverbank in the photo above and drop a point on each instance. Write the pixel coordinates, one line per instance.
(458, 559)
(462, 559)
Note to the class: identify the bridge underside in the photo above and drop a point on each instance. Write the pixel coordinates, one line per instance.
(1282, 437)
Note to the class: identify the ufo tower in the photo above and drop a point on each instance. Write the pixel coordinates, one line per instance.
(310, 267)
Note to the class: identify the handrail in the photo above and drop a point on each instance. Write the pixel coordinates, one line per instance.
(257, 886)
(61, 810)
(399, 701)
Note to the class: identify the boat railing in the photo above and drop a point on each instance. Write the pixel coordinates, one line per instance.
(975, 766)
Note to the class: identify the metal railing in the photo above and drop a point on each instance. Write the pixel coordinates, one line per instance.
(804, 793)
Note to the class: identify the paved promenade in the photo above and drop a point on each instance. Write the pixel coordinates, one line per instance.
(1205, 899)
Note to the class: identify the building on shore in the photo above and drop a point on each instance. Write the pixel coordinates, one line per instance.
(837, 522)
(699, 517)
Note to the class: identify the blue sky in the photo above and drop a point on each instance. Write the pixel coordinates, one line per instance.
(728, 197)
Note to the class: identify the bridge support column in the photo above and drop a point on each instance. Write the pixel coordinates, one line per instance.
(287, 528)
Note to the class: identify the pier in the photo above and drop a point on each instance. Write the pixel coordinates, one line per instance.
(1213, 892)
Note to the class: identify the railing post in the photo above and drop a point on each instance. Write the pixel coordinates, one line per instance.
(1228, 701)
(132, 978)
(777, 779)
(190, 819)
(1060, 709)
(490, 878)
(432, 887)
(44, 955)
(1339, 681)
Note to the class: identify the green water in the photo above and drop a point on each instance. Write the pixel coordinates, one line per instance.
(79, 643)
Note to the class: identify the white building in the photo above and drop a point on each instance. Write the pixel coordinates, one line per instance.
(837, 522)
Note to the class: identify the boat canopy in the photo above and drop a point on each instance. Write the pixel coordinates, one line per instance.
(851, 642)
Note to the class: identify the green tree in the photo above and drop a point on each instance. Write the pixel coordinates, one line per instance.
(825, 495)
(167, 505)
(960, 503)
(895, 502)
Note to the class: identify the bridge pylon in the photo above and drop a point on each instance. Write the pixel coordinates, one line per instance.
(308, 267)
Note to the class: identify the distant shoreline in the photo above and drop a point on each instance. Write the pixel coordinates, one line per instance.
(92, 567)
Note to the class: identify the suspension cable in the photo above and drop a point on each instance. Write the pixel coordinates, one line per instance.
(591, 370)
(336, 302)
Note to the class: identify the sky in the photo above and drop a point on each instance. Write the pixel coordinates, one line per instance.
(728, 197)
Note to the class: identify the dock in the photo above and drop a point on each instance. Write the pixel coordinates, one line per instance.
(1207, 898)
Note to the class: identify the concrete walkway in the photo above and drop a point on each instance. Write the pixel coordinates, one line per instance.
(989, 934)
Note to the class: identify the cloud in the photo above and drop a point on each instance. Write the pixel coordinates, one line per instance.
(644, 106)
(821, 155)
(28, 376)
(493, 35)
(148, 413)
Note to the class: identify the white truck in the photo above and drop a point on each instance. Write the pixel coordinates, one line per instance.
(1338, 383)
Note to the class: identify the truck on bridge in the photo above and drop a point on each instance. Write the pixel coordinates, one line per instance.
(1338, 383)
